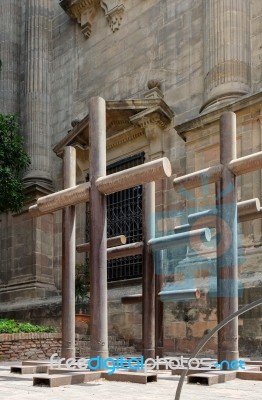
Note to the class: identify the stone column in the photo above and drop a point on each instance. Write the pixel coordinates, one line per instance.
(226, 50)
(98, 230)
(37, 87)
(10, 34)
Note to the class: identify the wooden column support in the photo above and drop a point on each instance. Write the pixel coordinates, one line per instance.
(111, 242)
(131, 249)
(139, 175)
(63, 198)
(68, 259)
(243, 165)
(199, 178)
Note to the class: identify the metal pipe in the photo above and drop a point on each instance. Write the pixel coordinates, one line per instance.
(130, 249)
(68, 259)
(165, 242)
(227, 262)
(179, 295)
(98, 227)
(139, 175)
(111, 242)
(199, 178)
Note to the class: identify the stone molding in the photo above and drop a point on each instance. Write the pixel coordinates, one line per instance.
(84, 12)
(214, 115)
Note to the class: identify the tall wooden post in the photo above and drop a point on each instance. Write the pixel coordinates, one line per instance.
(159, 305)
(98, 227)
(227, 263)
(68, 259)
(148, 273)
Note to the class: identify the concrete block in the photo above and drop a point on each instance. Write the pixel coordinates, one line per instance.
(250, 375)
(203, 379)
(134, 377)
(65, 379)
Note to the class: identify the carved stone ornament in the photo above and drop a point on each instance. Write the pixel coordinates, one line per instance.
(84, 11)
(114, 10)
(81, 11)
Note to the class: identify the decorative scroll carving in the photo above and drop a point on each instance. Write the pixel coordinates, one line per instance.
(114, 10)
(84, 11)
(81, 11)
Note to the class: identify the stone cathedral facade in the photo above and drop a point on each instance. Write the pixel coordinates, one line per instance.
(167, 69)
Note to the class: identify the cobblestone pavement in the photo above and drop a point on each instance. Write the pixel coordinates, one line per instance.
(17, 387)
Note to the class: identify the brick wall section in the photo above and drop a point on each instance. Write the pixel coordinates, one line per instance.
(26, 346)
(33, 346)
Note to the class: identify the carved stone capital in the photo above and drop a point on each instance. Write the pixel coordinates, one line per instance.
(114, 10)
(84, 11)
(81, 11)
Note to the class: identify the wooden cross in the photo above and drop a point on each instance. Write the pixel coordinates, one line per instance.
(224, 176)
(95, 192)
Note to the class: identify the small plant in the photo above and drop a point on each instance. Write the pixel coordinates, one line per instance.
(12, 326)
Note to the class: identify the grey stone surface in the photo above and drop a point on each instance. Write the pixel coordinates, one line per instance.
(18, 387)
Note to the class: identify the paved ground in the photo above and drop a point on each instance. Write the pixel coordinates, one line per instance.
(17, 387)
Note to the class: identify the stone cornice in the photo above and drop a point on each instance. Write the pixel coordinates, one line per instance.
(121, 138)
(84, 11)
(210, 117)
(125, 119)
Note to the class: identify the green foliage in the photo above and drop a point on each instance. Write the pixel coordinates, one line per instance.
(13, 162)
(82, 281)
(12, 326)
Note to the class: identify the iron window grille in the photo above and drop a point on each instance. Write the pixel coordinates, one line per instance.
(124, 217)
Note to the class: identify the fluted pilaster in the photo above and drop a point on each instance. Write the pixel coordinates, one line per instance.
(10, 34)
(37, 87)
(226, 50)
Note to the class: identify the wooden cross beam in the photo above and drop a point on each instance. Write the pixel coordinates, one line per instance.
(111, 242)
(95, 191)
(247, 210)
(224, 176)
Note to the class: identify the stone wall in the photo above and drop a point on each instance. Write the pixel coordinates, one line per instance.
(201, 73)
(40, 346)
(28, 346)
